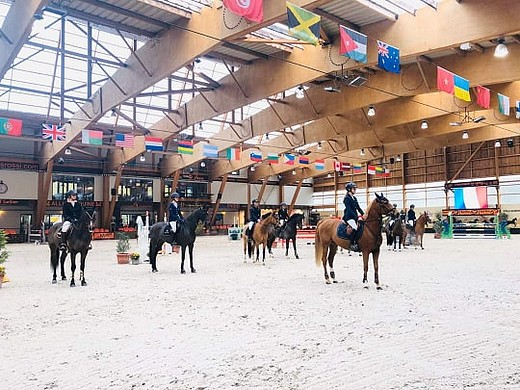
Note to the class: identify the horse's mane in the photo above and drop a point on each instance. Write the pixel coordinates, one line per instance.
(294, 216)
(266, 215)
(194, 214)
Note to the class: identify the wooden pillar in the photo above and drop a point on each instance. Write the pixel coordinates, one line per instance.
(335, 193)
(44, 183)
(219, 198)
(113, 200)
(497, 175)
(295, 196)
(445, 155)
(106, 202)
(403, 181)
(262, 190)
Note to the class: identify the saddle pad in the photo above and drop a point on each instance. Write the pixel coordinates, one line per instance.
(342, 231)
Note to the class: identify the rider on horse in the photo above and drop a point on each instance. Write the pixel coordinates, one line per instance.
(411, 218)
(174, 215)
(350, 215)
(72, 210)
(394, 215)
(254, 217)
(283, 216)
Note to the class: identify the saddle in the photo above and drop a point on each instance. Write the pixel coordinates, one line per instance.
(342, 231)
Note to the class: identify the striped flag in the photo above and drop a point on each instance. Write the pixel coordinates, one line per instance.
(272, 158)
(319, 165)
(371, 170)
(303, 160)
(341, 166)
(386, 173)
(357, 167)
(10, 126)
(289, 158)
(185, 147)
(233, 154)
(210, 151)
(379, 171)
(125, 140)
(503, 104)
(255, 156)
(517, 107)
(153, 144)
(92, 137)
(53, 132)
(353, 44)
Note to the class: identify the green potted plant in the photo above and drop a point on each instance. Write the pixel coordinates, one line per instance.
(134, 258)
(3, 255)
(122, 248)
(438, 226)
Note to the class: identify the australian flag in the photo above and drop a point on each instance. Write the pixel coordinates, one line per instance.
(388, 57)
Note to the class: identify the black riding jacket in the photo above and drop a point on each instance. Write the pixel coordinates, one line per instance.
(411, 215)
(254, 214)
(351, 207)
(283, 214)
(175, 213)
(72, 213)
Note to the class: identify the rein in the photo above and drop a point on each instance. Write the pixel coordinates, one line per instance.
(379, 219)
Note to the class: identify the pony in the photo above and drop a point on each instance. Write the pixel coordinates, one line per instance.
(260, 236)
(420, 223)
(294, 223)
(327, 240)
(399, 231)
(185, 237)
(78, 241)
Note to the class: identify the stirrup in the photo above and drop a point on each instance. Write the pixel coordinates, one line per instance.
(354, 247)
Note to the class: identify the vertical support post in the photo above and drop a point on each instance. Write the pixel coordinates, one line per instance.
(262, 190)
(113, 200)
(219, 198)
(44, 183)
(62, 70)
(295, 196)
(89, 60)
(335, 193)
(497, 175)
(106, 201)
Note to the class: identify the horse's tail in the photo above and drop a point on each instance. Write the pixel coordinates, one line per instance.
(318, 246)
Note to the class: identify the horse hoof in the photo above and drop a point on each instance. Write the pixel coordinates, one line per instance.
(334, 281)
(365, 287)
(328, 282)
(183, 271)
(193, 270)
(63, 278)
(72, 284)
(379, 288)
(83, 283)
(154, 270)
(297, 257)
(54, 281)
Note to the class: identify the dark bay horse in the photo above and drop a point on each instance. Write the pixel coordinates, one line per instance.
(420, 226)
(327, 240)
(185, 237)
(78, 241)
(260, 237)
(289, 233)
(398, 232)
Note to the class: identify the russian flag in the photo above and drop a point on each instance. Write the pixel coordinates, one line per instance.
(153, 144)
(289, 159)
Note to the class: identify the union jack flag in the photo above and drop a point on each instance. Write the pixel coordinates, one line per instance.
(53, 132)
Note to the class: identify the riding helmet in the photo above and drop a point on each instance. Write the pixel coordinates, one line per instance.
(70, 193)
(175, 195)
(254, 201)
(412, 206)
(283, 204)
(350, 185)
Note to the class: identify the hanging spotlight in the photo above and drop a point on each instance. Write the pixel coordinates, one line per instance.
(252, 168)
(497, 144)
(362, 152)
(398, 158)
(142, 158)
(424, 125)
(267, 136)
(294, 171)
(299, 93)
(465, 135)
(371, 111)
(501, 50)
(510, 143)
(202, 164)
(319, 145)
(68, 152)
(329, 175)
(200, 126)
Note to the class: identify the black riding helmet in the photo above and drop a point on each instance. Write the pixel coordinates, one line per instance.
(71, 193)
(254, 201)
(283, 204)
(350, 185)
(175, 195)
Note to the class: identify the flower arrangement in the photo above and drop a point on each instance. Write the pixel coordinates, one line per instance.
(135, 256)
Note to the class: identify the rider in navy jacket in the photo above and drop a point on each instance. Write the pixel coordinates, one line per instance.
(350, 215)
(72, 210)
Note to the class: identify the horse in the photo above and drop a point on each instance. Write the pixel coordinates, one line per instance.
(398, 231)
(184, 236)
(78, 241)
(260, 236)
(511, 222)
(327, 240)
(289, 233)
(420, 224)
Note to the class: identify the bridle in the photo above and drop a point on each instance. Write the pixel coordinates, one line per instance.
(379, 218)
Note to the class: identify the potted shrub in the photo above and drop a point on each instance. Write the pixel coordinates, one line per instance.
(122, 248)
(134, 258)
(438, 226)
(3, 255)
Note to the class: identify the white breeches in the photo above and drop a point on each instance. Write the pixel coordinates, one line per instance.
(66, 226)
(250, 225)
(173, 224)
(352, 223)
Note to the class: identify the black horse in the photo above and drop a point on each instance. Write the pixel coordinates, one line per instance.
(78, 241)
(294, 223)
(185, 237)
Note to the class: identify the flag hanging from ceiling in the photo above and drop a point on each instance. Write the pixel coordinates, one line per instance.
(517, 107)
(10, 126)
(357, 167)
(125, 140)
(371, 170)
(272, 158)
(249, 9)
(303, 160)
(210, 151)
(353, 44)
(92, 137)
(255, 156)
(503, 104)
(483, 96)
(379, 171)
(386, 172)
(341, 166)
(153, 144)
(445, 80)
(289, 159)
(233, 154)
(388, 57)
(319, 165)
(303, 24)
(461, 88)
(53, 132)
(184, 147)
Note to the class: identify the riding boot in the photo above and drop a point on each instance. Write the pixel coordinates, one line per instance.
(63, 239)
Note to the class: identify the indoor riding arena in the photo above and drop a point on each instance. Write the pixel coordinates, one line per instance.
(261, 194)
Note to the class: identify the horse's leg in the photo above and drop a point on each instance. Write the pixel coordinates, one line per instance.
(154, 248)
(422, 235)
(287, 247)
(264, 244)
(294, 246)
(365, 268)
(333, 248)
(82, 267)
(72, 268)
(63, 257)
(375, 258)
(54, 263)
(183, 256)
(190, 248)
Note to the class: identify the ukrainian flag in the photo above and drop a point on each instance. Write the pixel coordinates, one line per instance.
(303, 24)
(461, 88)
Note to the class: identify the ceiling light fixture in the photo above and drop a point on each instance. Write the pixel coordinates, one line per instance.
(267, 136)
(294, 171)
(398, 158)
(497, 144)
(510, 142)
(465, 135)
(501, 50)
(465, 46)
(142, 158)
(202, 164)
(424, 125)
(68, 152)
(319, 145)
(299, 93)
(362, 152)
(371, 111)
(200, 126)
(252, 168)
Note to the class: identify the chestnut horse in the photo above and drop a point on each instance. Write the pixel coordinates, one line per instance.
(327, 240)
(420, 223)
(260, 236)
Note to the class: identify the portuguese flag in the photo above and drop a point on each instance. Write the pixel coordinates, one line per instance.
(11, 127)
